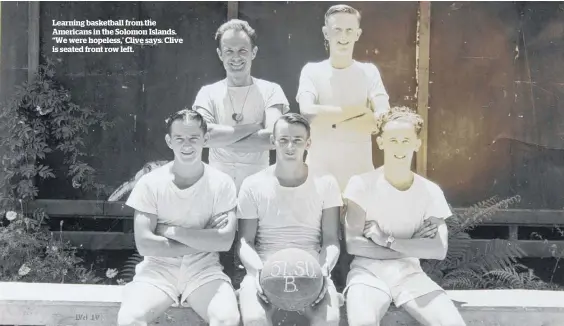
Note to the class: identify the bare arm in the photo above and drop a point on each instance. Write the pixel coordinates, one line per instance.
(356, 243)
(260, 141)
(223, 135)
(433, 248)
(209, 240)
(330, 247)
(365, 124)
(246, 246)
(327, 115)
(150, 244)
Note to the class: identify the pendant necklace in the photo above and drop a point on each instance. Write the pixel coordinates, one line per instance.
(238, 117)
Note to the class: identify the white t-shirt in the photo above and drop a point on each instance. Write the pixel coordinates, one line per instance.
(217, 102)
(156, 193)
(355, 85)
(398, 213)
(288, 217)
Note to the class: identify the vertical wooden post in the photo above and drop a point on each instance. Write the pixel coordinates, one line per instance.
(422, 55)
(232, 9)
(33, 40)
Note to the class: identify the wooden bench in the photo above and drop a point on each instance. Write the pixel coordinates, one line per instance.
(123, 239)
(97, 305)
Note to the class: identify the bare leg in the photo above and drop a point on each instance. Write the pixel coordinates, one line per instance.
(254, 311)
(434, 309)
(216, 303)
(141, 304)
(326, 312)
(366, 305)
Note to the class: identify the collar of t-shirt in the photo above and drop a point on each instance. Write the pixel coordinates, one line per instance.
(186, 192)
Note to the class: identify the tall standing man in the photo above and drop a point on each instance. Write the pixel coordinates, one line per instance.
(341, 97)
(184, 216)
(240, 110)
(288, 205)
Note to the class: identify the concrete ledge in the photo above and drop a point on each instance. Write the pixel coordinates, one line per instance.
(97, 305)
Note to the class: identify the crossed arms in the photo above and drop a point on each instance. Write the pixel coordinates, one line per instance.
(245, 138)
(365, 239)
(154, 239)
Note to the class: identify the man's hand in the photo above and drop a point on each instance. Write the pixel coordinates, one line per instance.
(326, 274)
(428, 229)
(260, 292)
(372, 231)
(217, 221)
(162, 229)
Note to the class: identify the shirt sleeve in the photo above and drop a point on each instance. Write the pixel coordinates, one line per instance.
(332, 196)
(203, 104)
(306, 84)
(377, 94)
(246, 205)
(438, 205)
(225, 196)
(277, 97)
(356, 191)
(142, 197)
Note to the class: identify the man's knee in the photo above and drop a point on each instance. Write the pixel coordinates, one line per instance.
(131, 317)
(362, 313)
(451, 318)
(258, 319)
(331, 319)
(226, 317)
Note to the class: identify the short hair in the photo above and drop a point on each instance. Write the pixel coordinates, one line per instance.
(400, 113)
(236, 25)
(341, 9)
(293, 119)
(187, 114)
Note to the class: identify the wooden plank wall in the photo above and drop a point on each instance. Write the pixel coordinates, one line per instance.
(496, 101)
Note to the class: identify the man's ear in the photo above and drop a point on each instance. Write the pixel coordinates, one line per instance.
(358, 34)
(168, 141)
(206, 138)
(325, 30)
(255, 50)
(380, 142)
(219, 54)
(308, 144)
(418, 144)
(272, 140)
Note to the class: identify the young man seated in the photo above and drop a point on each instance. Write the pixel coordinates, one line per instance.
(396, 217)
(184, 216)
(287, 205)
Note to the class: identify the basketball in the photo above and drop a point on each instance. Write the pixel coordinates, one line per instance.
(291, 279)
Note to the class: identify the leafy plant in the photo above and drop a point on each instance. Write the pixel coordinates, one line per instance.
(29, 253)
(465, 267)
(41, 119)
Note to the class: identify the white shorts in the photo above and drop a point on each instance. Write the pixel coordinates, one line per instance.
(238, 171)
(175, 280)
(410, 287)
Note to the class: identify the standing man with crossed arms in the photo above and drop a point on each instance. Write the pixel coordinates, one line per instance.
(341, 98)
(240, 110)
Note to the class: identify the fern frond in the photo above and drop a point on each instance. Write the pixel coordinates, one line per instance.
(128, 270)
(480, 212)
(462, 279)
